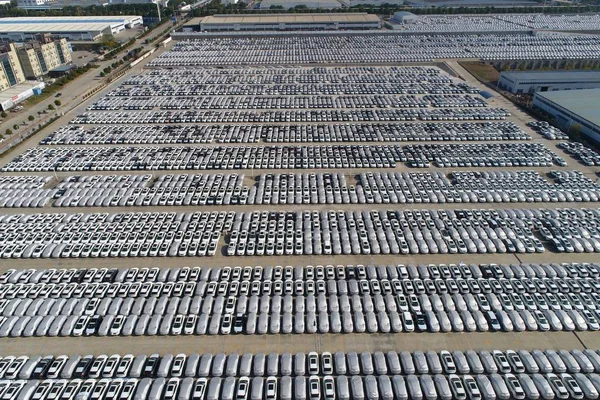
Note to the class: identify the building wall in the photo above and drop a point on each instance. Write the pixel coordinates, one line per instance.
(11, 73)
(63, 46)
(42, 58)
(31, 65)
(528, 85)
(566, 119)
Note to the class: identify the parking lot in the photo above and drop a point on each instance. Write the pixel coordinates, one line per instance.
(291, 231)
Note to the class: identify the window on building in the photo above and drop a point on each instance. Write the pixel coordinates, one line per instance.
(10, 74)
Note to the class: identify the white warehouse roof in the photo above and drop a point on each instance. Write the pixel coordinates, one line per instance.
(64, 24)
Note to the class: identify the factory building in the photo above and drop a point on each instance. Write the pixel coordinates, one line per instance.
(20, 29)
(572, 108)
(285, 22)
(547, 81)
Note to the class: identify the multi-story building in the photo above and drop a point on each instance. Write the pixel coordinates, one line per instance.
(40, 57)
(11, 73)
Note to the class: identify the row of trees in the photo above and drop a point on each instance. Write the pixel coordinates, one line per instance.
(31, 118)
(215, 7)
(147, 10)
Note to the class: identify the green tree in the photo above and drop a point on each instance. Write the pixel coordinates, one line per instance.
(9, 132)
(575, 132)
(50, 107)
(4, 114)
(57, 102)
(16, 127)
(31, 118)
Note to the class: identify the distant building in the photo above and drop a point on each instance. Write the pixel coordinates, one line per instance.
(20, 29)
(309, 4)
(161, 2)
(59, 4)
(40, 57)
(11, 73)
(37, 4)
(572, 108)
(284, 22)
(404, 17)
(548, 81)
(354, 3)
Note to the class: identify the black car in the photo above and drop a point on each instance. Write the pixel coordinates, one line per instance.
(78, 275)
(151, 365)
(82, 367)
(39, 372)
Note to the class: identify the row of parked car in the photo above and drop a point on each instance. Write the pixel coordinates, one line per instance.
(314, 188)
(301, 364)
(501, 23)
(94, 158)
(410, 272)
(307, 232)
(365, 132)
(202, 81)
(241, 116)
(388, 232)
(105, 235)
(585, 154)
(548, 131)
(239, 79)
(481, 155)
(361, 48)
(215, 322)
(431, 375)
(254, 102)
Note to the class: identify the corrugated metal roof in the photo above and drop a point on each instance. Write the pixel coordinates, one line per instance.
(63, 24)
(584, 102)
(289, 18)
(552, 75)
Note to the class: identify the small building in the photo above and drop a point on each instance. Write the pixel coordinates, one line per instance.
(61, 71)
(21, 29)
(572, 108)
(547, 81)
(286, 22)
(16, 94)
(404, 17)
